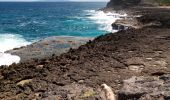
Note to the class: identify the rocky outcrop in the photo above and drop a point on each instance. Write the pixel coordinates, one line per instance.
(140, 18)
(127, 23)
(114, 3)
(146, 88)
(110, 59)
(129, 3)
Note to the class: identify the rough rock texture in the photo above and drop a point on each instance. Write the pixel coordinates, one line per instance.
(146, 88)
(127, 23)
(114, 3)
(141, 17)
(55, 45)
(104, 60)
(109, 59)
(130, 3)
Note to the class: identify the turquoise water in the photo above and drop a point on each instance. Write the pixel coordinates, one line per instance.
(24, 23)
(34, 21)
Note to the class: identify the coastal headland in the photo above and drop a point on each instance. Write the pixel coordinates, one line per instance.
(134, 62)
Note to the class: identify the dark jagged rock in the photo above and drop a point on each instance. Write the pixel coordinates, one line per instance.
(104, 60)
(109, 59)
(130, 3)
(141, 17)
(146, 88)
(123, 3)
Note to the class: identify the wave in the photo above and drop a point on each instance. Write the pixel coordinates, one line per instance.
(104, 20)
(35, 22)
(8, 42)
(8, 59)
(24, 24)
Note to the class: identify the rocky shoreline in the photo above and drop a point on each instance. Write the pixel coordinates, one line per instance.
(45, 48)
(134, 62)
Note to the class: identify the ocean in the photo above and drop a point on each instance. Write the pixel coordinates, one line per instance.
(22, 23)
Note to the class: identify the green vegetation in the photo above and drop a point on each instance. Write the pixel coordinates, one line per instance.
(87, 94)
(164, 2)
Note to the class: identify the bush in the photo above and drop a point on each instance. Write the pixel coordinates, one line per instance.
(164, 2)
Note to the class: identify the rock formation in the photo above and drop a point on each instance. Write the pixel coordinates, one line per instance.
(108, 92)
(146, 88)
(129, 3)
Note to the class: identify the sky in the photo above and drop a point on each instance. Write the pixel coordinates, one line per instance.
(56, 0)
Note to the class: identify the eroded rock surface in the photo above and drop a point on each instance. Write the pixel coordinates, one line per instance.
(129, 3)
(146, 88)
(45, 48)
(109, 59)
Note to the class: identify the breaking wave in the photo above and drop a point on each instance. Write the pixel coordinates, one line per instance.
(8, 42)
(104, 20)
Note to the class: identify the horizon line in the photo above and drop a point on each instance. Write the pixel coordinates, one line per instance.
(53, 1)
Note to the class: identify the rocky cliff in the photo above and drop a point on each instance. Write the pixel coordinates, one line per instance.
(129, 3)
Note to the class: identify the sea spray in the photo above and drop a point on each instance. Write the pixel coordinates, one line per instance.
(8, 42)
(104, 20)
(8, 59)
(56, 19)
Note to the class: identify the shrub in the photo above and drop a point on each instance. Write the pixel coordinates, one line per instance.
(164, 2)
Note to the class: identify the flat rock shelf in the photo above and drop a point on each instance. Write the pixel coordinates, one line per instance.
(47, 47)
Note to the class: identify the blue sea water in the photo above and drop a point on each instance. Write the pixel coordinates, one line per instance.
(37, 20)
(22, 23)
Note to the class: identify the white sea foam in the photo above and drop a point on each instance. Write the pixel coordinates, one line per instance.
(10, 41)
(104, 20)
(8, 59)
(7, 42)
(24, 24)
